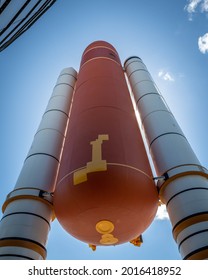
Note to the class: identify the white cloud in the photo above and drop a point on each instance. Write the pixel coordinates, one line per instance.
(162, 213)
(166, 76)
(191, 7)
(160, 74)
(203, 43)
(196, 6)
(204, 6)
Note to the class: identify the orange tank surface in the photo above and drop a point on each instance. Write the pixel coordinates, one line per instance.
(105, 193)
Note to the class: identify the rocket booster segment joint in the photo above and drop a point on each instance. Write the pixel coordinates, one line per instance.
(28, 193)
(24, 243)
(180, 171)
(131, 57)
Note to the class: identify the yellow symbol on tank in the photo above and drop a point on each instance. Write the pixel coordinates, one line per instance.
(97, 164)
(108, 239)
(106, 228)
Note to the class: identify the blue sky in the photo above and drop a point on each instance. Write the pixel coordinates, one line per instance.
(171, 36)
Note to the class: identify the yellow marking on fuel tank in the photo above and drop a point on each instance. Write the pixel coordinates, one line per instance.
(97, 164)
(108, 239)
(106, 228)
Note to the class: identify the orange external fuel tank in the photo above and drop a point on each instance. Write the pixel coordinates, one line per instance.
(105, 193)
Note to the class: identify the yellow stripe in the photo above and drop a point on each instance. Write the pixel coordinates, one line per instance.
(25, 244)
(199, 256)
(182, 174)
(25, 197)
(190, 221)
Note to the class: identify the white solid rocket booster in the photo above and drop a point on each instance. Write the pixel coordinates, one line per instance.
(184, 188)
(28, 208)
